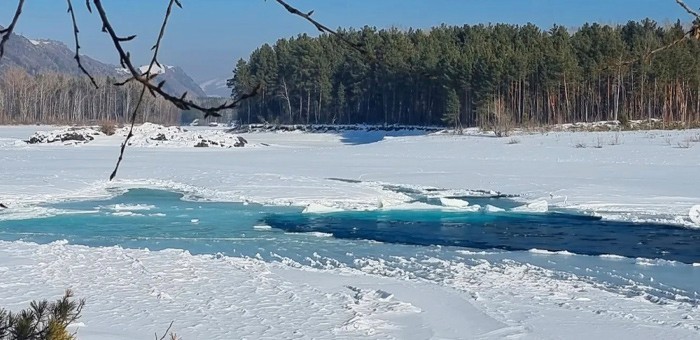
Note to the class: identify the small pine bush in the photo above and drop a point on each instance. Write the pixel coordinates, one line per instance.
(43, 320)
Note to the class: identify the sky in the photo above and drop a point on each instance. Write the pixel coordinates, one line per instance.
(206, 37)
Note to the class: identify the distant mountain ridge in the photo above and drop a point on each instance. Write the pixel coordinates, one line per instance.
(37, 56)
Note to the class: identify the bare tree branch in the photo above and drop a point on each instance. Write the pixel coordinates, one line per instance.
(156, 47)
(321, 27)
(129, 135)
(144, 78)
(7, 32)
(693, 33)
(166, 332)
(77, 44)
(688, 9)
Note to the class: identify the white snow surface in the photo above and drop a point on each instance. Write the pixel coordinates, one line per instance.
(155, 69)
(39, 42)
(453, 203)
(533, 207)
(144, 135)
(132, 293)
(646, 177)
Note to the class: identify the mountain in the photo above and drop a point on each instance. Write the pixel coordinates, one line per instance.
(37, 56)
(45, 56)
(216, 87)
(176, 80)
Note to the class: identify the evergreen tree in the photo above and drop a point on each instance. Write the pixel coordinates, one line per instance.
(530, 75)
(451, 116)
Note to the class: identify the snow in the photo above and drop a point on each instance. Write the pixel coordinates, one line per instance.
(39, 42)
(694, 214)
(144, 135)
(533, 207)
(315, 208)
(491, 209)
(216, 87)
(548, 252)
(453, 203)
(155, 69)
(133, 293)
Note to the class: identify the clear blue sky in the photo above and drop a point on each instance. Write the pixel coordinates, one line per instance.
(208, 36)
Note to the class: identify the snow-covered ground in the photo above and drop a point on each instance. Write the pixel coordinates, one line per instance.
(634, 176)
(642, 175)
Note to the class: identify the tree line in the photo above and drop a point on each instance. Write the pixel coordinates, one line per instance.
(60, 99)
(475, 74)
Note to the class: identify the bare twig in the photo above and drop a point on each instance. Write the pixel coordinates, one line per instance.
(166, 332)
(7, 32)
(321, 27)
(144, 78)
(77, 44)
(129, 135)
(156, 47)
(693, 33)
(688, 9)
(651, 53)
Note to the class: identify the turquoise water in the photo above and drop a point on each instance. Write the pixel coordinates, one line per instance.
(153, 219)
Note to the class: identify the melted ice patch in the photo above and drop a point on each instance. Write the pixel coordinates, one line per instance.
(315, 208)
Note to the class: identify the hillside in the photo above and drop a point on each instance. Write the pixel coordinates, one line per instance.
(39, 56)
(216, 87)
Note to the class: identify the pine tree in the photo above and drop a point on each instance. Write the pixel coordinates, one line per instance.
(451, 117)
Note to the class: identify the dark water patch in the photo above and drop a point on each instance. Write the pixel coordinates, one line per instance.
(344, 180)
(160, 219)
(157, 220)
(581, 234)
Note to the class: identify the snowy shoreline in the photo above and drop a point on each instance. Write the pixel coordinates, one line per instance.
(557, 162)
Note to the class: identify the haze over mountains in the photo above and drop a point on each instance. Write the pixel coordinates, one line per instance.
(216, 87)
(37, 56)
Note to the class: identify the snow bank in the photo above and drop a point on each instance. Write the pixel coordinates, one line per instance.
(533, 207)
(315, 208)
(144, 135)
(71, 135)
(491, 209)
(694, 214)
(154, 135)
(549, 252)
(453, 203)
